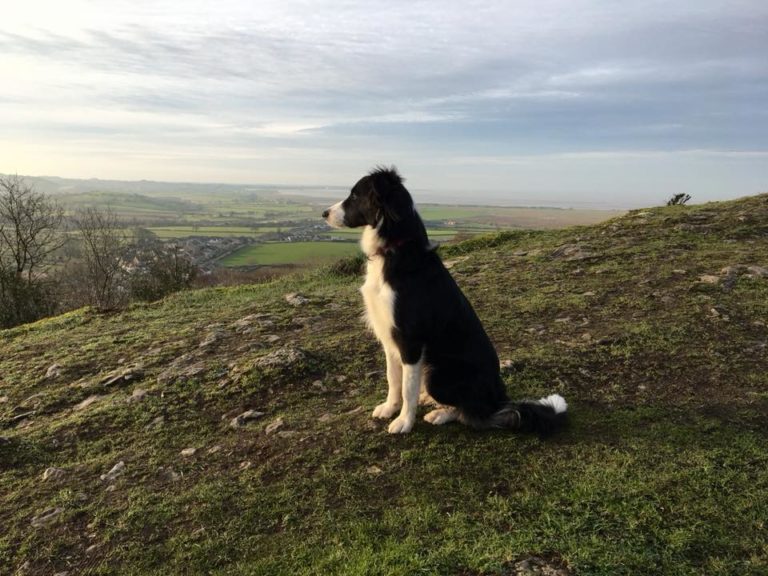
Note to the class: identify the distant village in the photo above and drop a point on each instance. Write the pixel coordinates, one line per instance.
(206, 251)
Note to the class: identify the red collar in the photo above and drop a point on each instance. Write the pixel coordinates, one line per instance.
(392, 246)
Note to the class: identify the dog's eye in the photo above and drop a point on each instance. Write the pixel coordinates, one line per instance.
(352, 196)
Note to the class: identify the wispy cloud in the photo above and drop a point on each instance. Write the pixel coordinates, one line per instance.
(338, 87)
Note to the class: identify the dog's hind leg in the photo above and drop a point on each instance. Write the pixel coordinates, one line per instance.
(411, 384)
(394, 383)
(442, 416)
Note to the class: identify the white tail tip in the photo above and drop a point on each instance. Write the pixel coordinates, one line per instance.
(557, 402)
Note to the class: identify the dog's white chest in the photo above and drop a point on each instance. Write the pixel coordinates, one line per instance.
(379, 301)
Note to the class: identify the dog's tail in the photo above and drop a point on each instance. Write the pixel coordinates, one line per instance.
(542, 417)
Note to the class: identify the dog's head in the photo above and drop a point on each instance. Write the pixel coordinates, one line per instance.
(376, 197)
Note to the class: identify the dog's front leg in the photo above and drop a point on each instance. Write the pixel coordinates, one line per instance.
(394, 383)
(411, 385)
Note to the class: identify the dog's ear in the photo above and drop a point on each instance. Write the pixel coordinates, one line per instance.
(384, 195)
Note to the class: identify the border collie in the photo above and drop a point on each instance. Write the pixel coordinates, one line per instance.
(435, 346)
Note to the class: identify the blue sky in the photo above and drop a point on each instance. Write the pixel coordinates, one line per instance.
(549, 101)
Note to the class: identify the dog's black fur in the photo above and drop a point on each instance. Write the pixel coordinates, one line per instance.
(432, 315)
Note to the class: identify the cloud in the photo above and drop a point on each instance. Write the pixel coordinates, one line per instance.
(428, 79)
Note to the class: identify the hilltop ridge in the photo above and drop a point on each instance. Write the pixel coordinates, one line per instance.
(242, 419)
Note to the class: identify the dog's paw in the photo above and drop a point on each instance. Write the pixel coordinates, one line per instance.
(425, 399)
(441, 416)
(385, 410)
(400, 425)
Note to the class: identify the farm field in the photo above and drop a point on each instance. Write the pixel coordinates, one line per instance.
(274, 253)
(166, 232)
(287, 226)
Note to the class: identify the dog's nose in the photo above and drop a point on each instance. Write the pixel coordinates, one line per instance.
(325, 213)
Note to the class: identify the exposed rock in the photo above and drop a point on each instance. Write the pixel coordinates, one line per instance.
(274, 426)
(138, 395)
(3, 399)
(306, 321)
(53, 473)
(46, 517)
(188, 451)
(319, 385)
(295, 299)
(281, 357)
(88, 401)
(33, 401)
(244, 418)
(709, 279)
(572, 252)
(213, 337)
(19, 417)
(116, 471)
(214, 449)
(157, 422)
(179, 370)
(271, 338)
(758, 271)
(538, 567)
(507, 364)
(374, 470)
(168, 474)
(54, 371)
(123, 376)
(247, 323)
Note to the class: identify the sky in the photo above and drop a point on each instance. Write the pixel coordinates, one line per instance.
(568, 102)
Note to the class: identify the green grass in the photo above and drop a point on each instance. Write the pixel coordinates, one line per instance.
(166, 232)
(663, 469)
(272, 253)
(435, 233)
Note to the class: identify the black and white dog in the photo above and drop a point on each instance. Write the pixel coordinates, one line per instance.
(433, 340)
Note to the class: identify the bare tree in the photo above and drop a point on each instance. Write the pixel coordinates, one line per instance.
(30, 232)
(103, 245)
(161, 270)
(30, 227)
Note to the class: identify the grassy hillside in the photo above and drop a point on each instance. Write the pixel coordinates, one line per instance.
(653, 326)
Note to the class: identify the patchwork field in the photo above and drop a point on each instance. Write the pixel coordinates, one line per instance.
(270, 215)
(276, 253)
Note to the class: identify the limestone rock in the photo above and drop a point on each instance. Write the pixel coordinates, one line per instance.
(120, 376)
(87, 402)
(53, 473)
(54, 371)
(117, 470)
(244, 418)
(709, 279)
(572, 252)
(284, 356)
(295, 299)
(46, 517)
(274, 426)
(138, 395)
